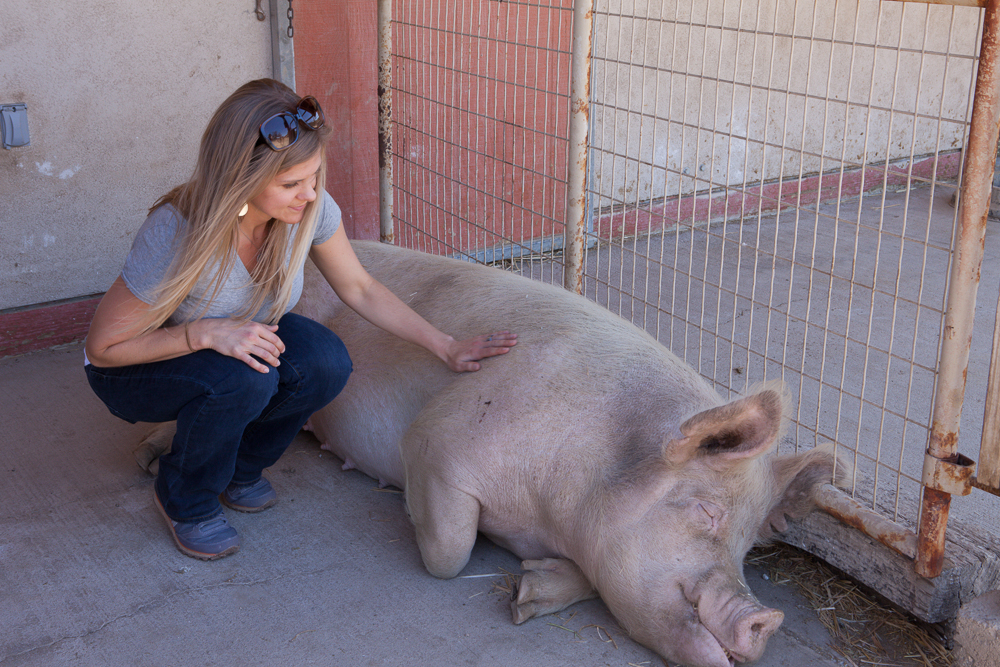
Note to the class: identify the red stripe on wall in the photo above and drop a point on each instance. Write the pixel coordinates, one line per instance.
(44, 326)
(754, 200)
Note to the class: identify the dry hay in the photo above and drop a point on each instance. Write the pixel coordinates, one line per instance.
(506, 586)
(864, 631)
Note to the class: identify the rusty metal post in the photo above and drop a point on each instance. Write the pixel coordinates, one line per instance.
(850, 512)
(977, 182)
(988, 474)
(960, 3)
(386, 227)
(579, 130)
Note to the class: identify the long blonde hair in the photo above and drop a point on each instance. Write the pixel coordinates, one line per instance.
(234, 167)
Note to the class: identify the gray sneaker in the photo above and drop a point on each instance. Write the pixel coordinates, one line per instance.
(205, 540)
(255, 497)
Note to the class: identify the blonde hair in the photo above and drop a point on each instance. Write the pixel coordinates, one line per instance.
(234, 167)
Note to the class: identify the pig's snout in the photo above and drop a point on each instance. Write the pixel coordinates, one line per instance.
(752, 632)
(740, 624)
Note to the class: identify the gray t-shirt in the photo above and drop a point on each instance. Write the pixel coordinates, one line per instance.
(159, 239)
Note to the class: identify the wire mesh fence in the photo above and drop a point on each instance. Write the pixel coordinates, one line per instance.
(768, 188)
(480, 92)
(771, 185)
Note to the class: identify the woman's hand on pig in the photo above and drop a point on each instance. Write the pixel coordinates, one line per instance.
(463, 355)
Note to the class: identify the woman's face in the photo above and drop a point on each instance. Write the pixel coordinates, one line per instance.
(286, 196)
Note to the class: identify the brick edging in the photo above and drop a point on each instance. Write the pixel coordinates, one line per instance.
(46, 325)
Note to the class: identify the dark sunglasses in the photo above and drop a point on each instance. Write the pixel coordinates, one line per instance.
(282, 129)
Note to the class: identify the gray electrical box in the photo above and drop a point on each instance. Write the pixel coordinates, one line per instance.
(14, 125)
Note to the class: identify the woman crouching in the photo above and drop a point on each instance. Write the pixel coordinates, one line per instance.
(197, 327)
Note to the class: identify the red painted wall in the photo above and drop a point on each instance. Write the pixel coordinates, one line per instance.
(480, 101)
(336, 60)
(28, 329)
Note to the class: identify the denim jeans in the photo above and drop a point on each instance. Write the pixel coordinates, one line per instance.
(232, 421)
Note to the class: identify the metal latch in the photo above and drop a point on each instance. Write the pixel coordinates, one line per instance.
(954, 477)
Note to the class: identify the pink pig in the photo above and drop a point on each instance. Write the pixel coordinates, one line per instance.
(589, 450)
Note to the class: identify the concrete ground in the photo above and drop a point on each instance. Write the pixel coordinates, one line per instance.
(330, 576)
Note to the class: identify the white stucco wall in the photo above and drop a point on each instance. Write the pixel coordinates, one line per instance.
(118, 94)
(688, 96)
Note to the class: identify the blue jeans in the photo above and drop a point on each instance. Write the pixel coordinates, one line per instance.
(232, 421)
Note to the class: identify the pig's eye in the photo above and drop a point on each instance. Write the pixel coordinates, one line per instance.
(709, 515)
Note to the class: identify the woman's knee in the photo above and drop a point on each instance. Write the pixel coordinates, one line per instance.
(159, 391)
(318, 354)
(326, 368)
(337, 367)
(244, 388)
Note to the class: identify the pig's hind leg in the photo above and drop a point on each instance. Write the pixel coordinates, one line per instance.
(548, 586)
(155, 443)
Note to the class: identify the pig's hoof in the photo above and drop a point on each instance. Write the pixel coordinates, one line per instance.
(147, 458)
(156, 443)
(548, 586)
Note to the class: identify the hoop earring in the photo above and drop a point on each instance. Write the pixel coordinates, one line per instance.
(243, 211)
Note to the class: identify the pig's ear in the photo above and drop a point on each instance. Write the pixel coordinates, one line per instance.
(744, 428)
(796, 478)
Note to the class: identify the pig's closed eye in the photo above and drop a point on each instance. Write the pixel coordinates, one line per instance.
(708, 515)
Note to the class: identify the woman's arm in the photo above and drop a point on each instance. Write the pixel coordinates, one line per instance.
(113, 339)
(373, 301)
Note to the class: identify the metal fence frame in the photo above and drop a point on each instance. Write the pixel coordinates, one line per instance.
(945, 472)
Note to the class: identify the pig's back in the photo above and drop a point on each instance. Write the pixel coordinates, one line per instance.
(576, 365)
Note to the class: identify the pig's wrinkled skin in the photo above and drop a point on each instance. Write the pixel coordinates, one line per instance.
(589, 450)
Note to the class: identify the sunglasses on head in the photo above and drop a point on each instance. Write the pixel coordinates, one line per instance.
(282, 129)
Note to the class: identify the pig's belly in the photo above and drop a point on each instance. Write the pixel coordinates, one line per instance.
(365, 451)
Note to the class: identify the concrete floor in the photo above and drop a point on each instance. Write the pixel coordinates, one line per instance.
(331, 576)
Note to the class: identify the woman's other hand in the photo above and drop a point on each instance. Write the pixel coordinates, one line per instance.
(370, 299)
(250, 342)
(463, 355)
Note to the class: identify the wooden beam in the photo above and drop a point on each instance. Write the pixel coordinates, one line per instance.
(988, 474)
(971, 566)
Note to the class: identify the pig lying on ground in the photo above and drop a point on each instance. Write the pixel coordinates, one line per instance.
(589, 450)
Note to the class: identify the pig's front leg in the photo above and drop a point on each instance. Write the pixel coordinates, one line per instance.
(548, 586)
(446, 520)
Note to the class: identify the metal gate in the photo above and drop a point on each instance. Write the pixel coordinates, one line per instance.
(766, 186)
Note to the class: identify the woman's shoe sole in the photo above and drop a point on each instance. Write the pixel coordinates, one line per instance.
(187, 551)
